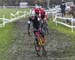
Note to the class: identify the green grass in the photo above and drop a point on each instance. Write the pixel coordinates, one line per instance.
(5, 39)
(66, 31)
(7, 12)
(1, 21)
(61, 28)
(6, 32)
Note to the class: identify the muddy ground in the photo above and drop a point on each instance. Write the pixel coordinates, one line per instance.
(57, 46)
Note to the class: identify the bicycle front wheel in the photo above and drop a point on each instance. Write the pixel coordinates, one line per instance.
(40, 50)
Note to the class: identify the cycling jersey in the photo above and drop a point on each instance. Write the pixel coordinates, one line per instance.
(35, 22)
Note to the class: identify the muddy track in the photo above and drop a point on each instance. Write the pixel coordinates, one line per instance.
(23, 46)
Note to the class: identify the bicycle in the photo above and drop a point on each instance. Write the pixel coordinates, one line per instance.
(40, 45)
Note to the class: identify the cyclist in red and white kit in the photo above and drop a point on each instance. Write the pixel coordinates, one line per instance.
(44, 18)
(35, 20)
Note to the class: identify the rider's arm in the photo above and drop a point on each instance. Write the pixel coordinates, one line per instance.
(29, 22)
(46, 16)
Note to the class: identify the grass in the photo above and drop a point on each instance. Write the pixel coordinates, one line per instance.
(7, 12)
(66, 31)
(1, 21)
(6, 32)
(5, 39)
(61, 28)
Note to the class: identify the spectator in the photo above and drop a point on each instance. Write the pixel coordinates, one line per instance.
(63, 6)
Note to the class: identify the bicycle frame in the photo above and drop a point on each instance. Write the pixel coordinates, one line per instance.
(40, 45)
(40, 39)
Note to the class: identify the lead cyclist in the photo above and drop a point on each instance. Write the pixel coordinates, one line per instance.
(34, 19)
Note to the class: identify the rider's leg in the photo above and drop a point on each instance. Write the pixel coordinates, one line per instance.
(47, 29)
(36, 37)
(44, 38)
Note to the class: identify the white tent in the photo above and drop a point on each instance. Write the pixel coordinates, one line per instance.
(23, 4)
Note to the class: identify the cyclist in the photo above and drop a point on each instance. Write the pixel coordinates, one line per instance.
(44, 17)
(36, 26)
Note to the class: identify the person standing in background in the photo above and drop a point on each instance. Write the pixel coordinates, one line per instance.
(63, 7)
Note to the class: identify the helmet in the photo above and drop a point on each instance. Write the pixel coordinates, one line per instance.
(36, 10)
(42, 11)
